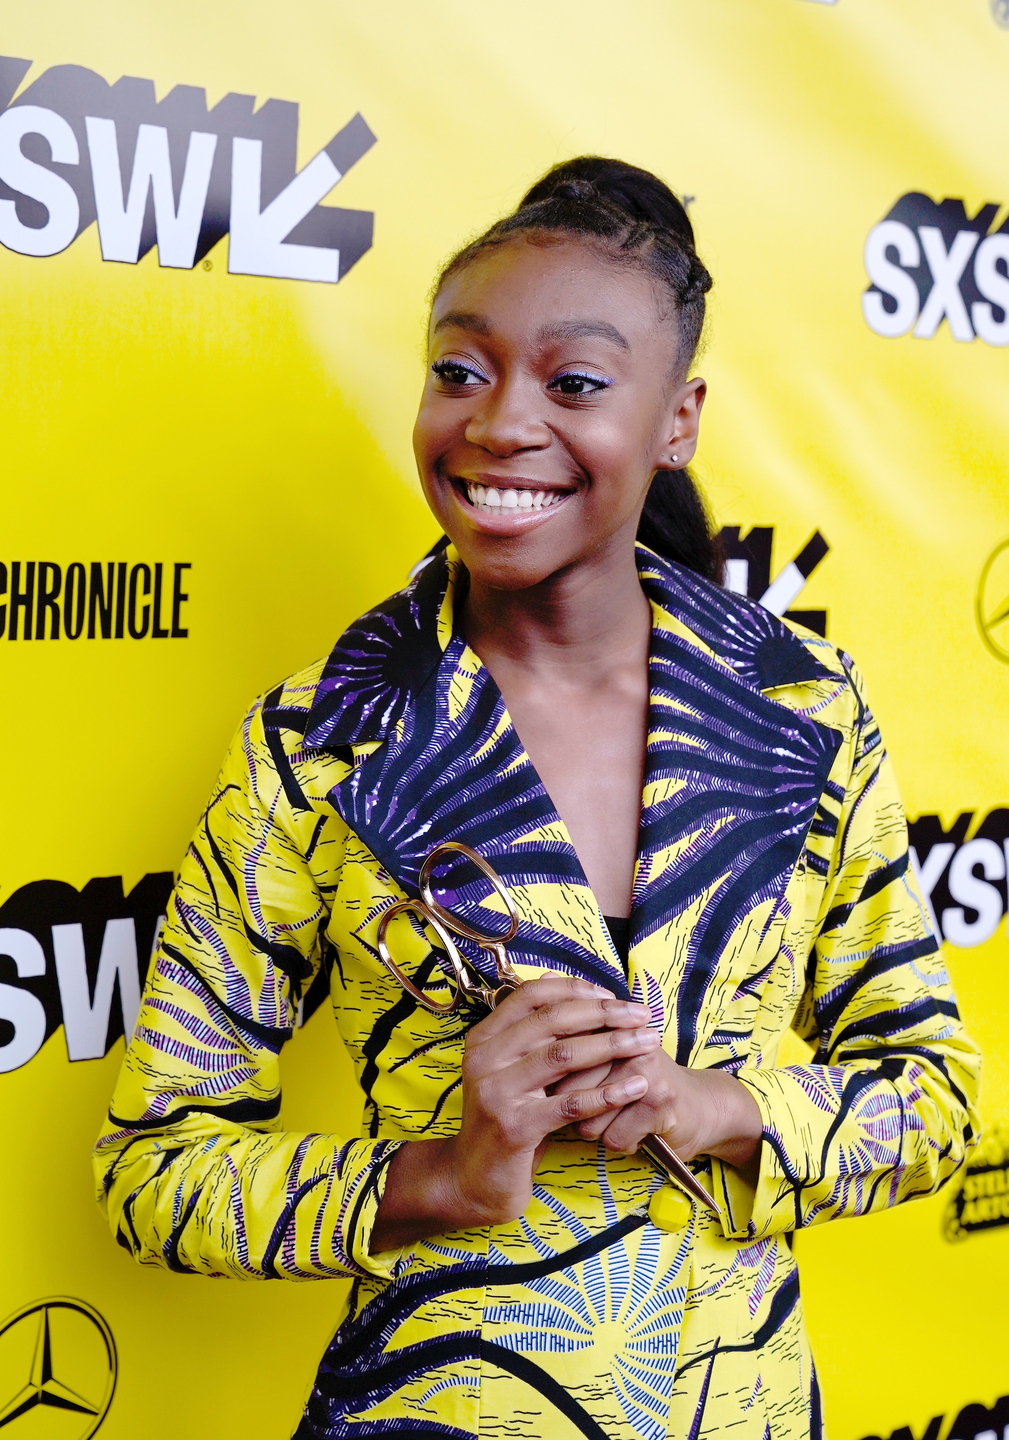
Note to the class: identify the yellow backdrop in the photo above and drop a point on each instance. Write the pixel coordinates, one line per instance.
(255, 429)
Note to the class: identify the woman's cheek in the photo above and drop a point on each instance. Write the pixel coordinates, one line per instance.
(428, 432)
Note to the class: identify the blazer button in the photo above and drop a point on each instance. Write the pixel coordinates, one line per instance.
(669, 1209)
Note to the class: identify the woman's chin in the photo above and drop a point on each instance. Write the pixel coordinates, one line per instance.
(506, 566)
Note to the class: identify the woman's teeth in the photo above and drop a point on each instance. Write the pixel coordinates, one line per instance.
(493, 499)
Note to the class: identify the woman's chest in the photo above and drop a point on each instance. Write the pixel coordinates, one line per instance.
(588, 749)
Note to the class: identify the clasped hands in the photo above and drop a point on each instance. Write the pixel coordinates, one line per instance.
(558, 1052)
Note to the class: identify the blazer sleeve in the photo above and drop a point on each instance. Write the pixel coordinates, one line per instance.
(886, 1109)
(193, 1169)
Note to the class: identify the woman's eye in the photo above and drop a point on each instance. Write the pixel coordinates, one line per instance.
(452, 372)
(577, 386)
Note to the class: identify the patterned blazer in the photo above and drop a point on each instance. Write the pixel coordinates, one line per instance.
(772, 890)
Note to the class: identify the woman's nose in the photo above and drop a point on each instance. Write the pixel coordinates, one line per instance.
(507, 419)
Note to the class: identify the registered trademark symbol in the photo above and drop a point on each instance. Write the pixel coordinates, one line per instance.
(208, 264)
(1000, 12)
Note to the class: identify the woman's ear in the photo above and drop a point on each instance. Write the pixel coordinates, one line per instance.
(682, 425)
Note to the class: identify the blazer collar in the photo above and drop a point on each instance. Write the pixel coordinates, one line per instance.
(384, 660)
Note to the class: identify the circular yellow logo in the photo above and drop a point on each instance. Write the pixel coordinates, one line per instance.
(57, 1364)
(991, 605)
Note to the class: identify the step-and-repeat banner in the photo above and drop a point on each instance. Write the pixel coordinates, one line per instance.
(218, 227)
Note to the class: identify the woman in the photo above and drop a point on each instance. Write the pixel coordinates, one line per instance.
(690, 805)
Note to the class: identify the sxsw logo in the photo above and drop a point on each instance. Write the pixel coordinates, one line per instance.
(74, 149)
(975, 1421)
(928, 263)
(962, 873)
(748, 562)
(981, 1199)
(76, 958)
(79, 959)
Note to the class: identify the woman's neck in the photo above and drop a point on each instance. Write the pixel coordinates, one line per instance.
(570, 657)
(575, 625)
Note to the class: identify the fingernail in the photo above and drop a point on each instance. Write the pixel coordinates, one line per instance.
(636, 1085)
(647, 1037)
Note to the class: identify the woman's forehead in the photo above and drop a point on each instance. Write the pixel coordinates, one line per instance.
(564, 288)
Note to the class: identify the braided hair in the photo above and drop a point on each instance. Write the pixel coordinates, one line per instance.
(638, 220)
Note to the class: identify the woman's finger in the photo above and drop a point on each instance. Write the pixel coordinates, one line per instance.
(532, 1029)
(626, 1129)
(577, 1105)
(583, 1079)
(593, 1127)
(646, 1119)
(543, 1067)
(547, 991)
(577, 1017)
(666, 1100)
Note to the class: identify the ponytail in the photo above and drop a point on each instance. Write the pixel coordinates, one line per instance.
(676, 525)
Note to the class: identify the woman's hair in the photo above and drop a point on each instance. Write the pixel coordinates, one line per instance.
(637, 220)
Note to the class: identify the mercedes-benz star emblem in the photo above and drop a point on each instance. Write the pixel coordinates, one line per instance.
(64, 1355)
(991, 604)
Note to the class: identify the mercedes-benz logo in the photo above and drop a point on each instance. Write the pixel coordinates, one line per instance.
(57, 1354)
(991, 604)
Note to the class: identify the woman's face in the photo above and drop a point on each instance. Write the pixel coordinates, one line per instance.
(551, 399)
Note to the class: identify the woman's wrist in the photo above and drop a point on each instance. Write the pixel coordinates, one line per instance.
(425, 1195)
(729, 1125)
(421, 1197)
(739, 1127)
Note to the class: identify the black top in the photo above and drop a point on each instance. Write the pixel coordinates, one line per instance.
(620, 935)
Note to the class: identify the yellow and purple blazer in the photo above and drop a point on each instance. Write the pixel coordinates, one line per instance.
(772, 890)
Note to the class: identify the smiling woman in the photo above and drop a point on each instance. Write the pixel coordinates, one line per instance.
(575, 836)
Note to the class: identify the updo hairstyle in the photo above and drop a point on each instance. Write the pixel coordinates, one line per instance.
(638, 220)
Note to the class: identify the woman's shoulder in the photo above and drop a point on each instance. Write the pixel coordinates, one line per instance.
(288, 704)
(351, 696)
(285, 706)
(269, 754)
(767, 651)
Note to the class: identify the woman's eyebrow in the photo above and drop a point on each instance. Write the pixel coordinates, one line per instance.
(579, 329)
(463, 320)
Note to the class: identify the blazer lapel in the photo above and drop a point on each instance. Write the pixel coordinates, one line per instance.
(732, 780)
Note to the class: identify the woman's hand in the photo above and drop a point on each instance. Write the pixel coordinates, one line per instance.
(546, 1032)
(699, 1112)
